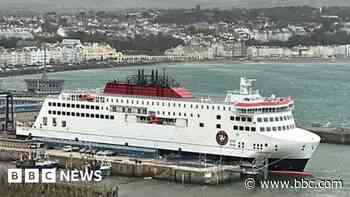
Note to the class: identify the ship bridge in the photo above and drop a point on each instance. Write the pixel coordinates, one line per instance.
(245, 93)
(248, 100)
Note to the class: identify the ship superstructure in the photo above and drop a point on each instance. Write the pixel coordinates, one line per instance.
(154, 111)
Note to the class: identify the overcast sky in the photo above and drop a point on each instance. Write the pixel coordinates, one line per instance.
(49, 5)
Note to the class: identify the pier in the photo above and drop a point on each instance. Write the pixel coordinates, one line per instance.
(184, 172)
(181, 172)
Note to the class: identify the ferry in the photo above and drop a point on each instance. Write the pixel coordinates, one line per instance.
(155, 111)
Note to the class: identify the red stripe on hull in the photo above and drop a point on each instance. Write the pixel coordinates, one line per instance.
(292, 173)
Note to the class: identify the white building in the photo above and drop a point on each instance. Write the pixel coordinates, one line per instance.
(192, 51)
(21, 33)
(342, 50)
(17, 57)
(319, 52)
(270, 52)
(71, 51)
(4, 56)
(284, 52)
(37, 55)
(266, 36)
(97, 51)
(230, 49)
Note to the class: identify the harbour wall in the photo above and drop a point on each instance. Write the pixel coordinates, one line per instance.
(332, 135)
(125, 166)
(12, 149)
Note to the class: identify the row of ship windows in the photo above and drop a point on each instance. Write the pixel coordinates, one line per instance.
(174, 114)
(243, 128)
(77, 114)
(274, 119)
(169, 104)
(69, 105)
(54, 122)
(240, 144)
(238, 118)
(237, 128)
(253, 129)
(218, 117)
(278, 128)
(256, 146)
(259, 146)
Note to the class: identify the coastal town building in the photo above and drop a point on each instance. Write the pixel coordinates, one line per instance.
(300, 52)
(71, 49)
(193, 51)
(269, 35)
(270, 52)
(38, 55)
(342, 50)
(20, 33)
(30, 56)
(229, 49)
(97, 51)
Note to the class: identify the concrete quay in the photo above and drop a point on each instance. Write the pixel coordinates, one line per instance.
(158, 169)
(184, 172)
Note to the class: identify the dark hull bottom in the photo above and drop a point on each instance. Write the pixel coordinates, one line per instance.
(285, 164)
(288, 164)
(275, 164)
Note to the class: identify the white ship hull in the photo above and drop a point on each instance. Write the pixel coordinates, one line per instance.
(189, 126)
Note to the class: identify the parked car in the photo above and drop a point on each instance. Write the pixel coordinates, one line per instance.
(67, 148)
(83, 150)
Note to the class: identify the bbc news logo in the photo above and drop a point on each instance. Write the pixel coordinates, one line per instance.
(52, 175)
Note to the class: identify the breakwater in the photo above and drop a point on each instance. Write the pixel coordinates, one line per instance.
(332, 135)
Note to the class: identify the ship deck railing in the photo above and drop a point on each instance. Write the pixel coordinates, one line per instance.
(197, 98)
(203, 99)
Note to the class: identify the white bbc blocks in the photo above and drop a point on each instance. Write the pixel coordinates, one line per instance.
(14, 176)
(48, 175)
(31, 176)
